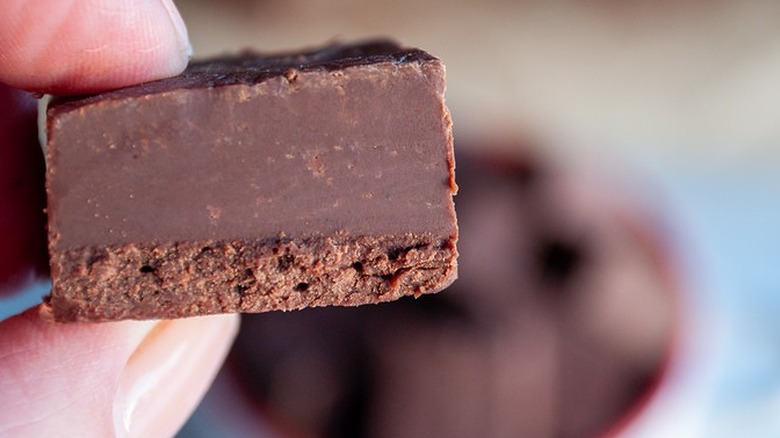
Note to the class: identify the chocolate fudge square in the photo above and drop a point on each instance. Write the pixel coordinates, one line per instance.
(254, 183)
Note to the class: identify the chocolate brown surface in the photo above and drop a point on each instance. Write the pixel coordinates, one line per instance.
(254, 183)
(558, 325)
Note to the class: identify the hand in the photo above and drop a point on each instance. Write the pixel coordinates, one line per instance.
(110, 379)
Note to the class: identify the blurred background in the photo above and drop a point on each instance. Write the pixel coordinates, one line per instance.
(677, 100)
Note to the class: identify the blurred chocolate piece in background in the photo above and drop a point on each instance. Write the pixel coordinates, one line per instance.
(559, 325)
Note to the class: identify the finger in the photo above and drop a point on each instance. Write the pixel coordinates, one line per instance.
(22, 197)
(76, 46)
(112, 379)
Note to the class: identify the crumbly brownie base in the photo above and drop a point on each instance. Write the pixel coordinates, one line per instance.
(181, 279)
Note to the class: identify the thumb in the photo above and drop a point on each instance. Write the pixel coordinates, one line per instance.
(119, 379)
(77, 46)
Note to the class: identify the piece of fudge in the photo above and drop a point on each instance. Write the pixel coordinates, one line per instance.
(254, 183)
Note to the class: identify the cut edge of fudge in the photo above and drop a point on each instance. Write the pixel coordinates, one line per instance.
(121, 276)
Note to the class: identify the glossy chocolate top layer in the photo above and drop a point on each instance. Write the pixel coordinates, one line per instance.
(251, 67)
(352, 140)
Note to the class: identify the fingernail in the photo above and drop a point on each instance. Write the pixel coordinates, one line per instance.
(169, 372)
(179, 26)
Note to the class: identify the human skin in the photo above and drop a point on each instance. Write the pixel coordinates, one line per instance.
(111, 379)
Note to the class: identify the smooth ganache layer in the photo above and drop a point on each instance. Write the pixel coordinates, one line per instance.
(254, 183)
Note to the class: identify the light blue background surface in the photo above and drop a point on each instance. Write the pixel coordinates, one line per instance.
(727, 381)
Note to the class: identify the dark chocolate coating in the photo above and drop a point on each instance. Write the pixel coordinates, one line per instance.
(251, 68)
(329, 148)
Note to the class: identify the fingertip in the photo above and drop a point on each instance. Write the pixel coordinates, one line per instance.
(60, 379)
(69, 46)
(129, 378)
